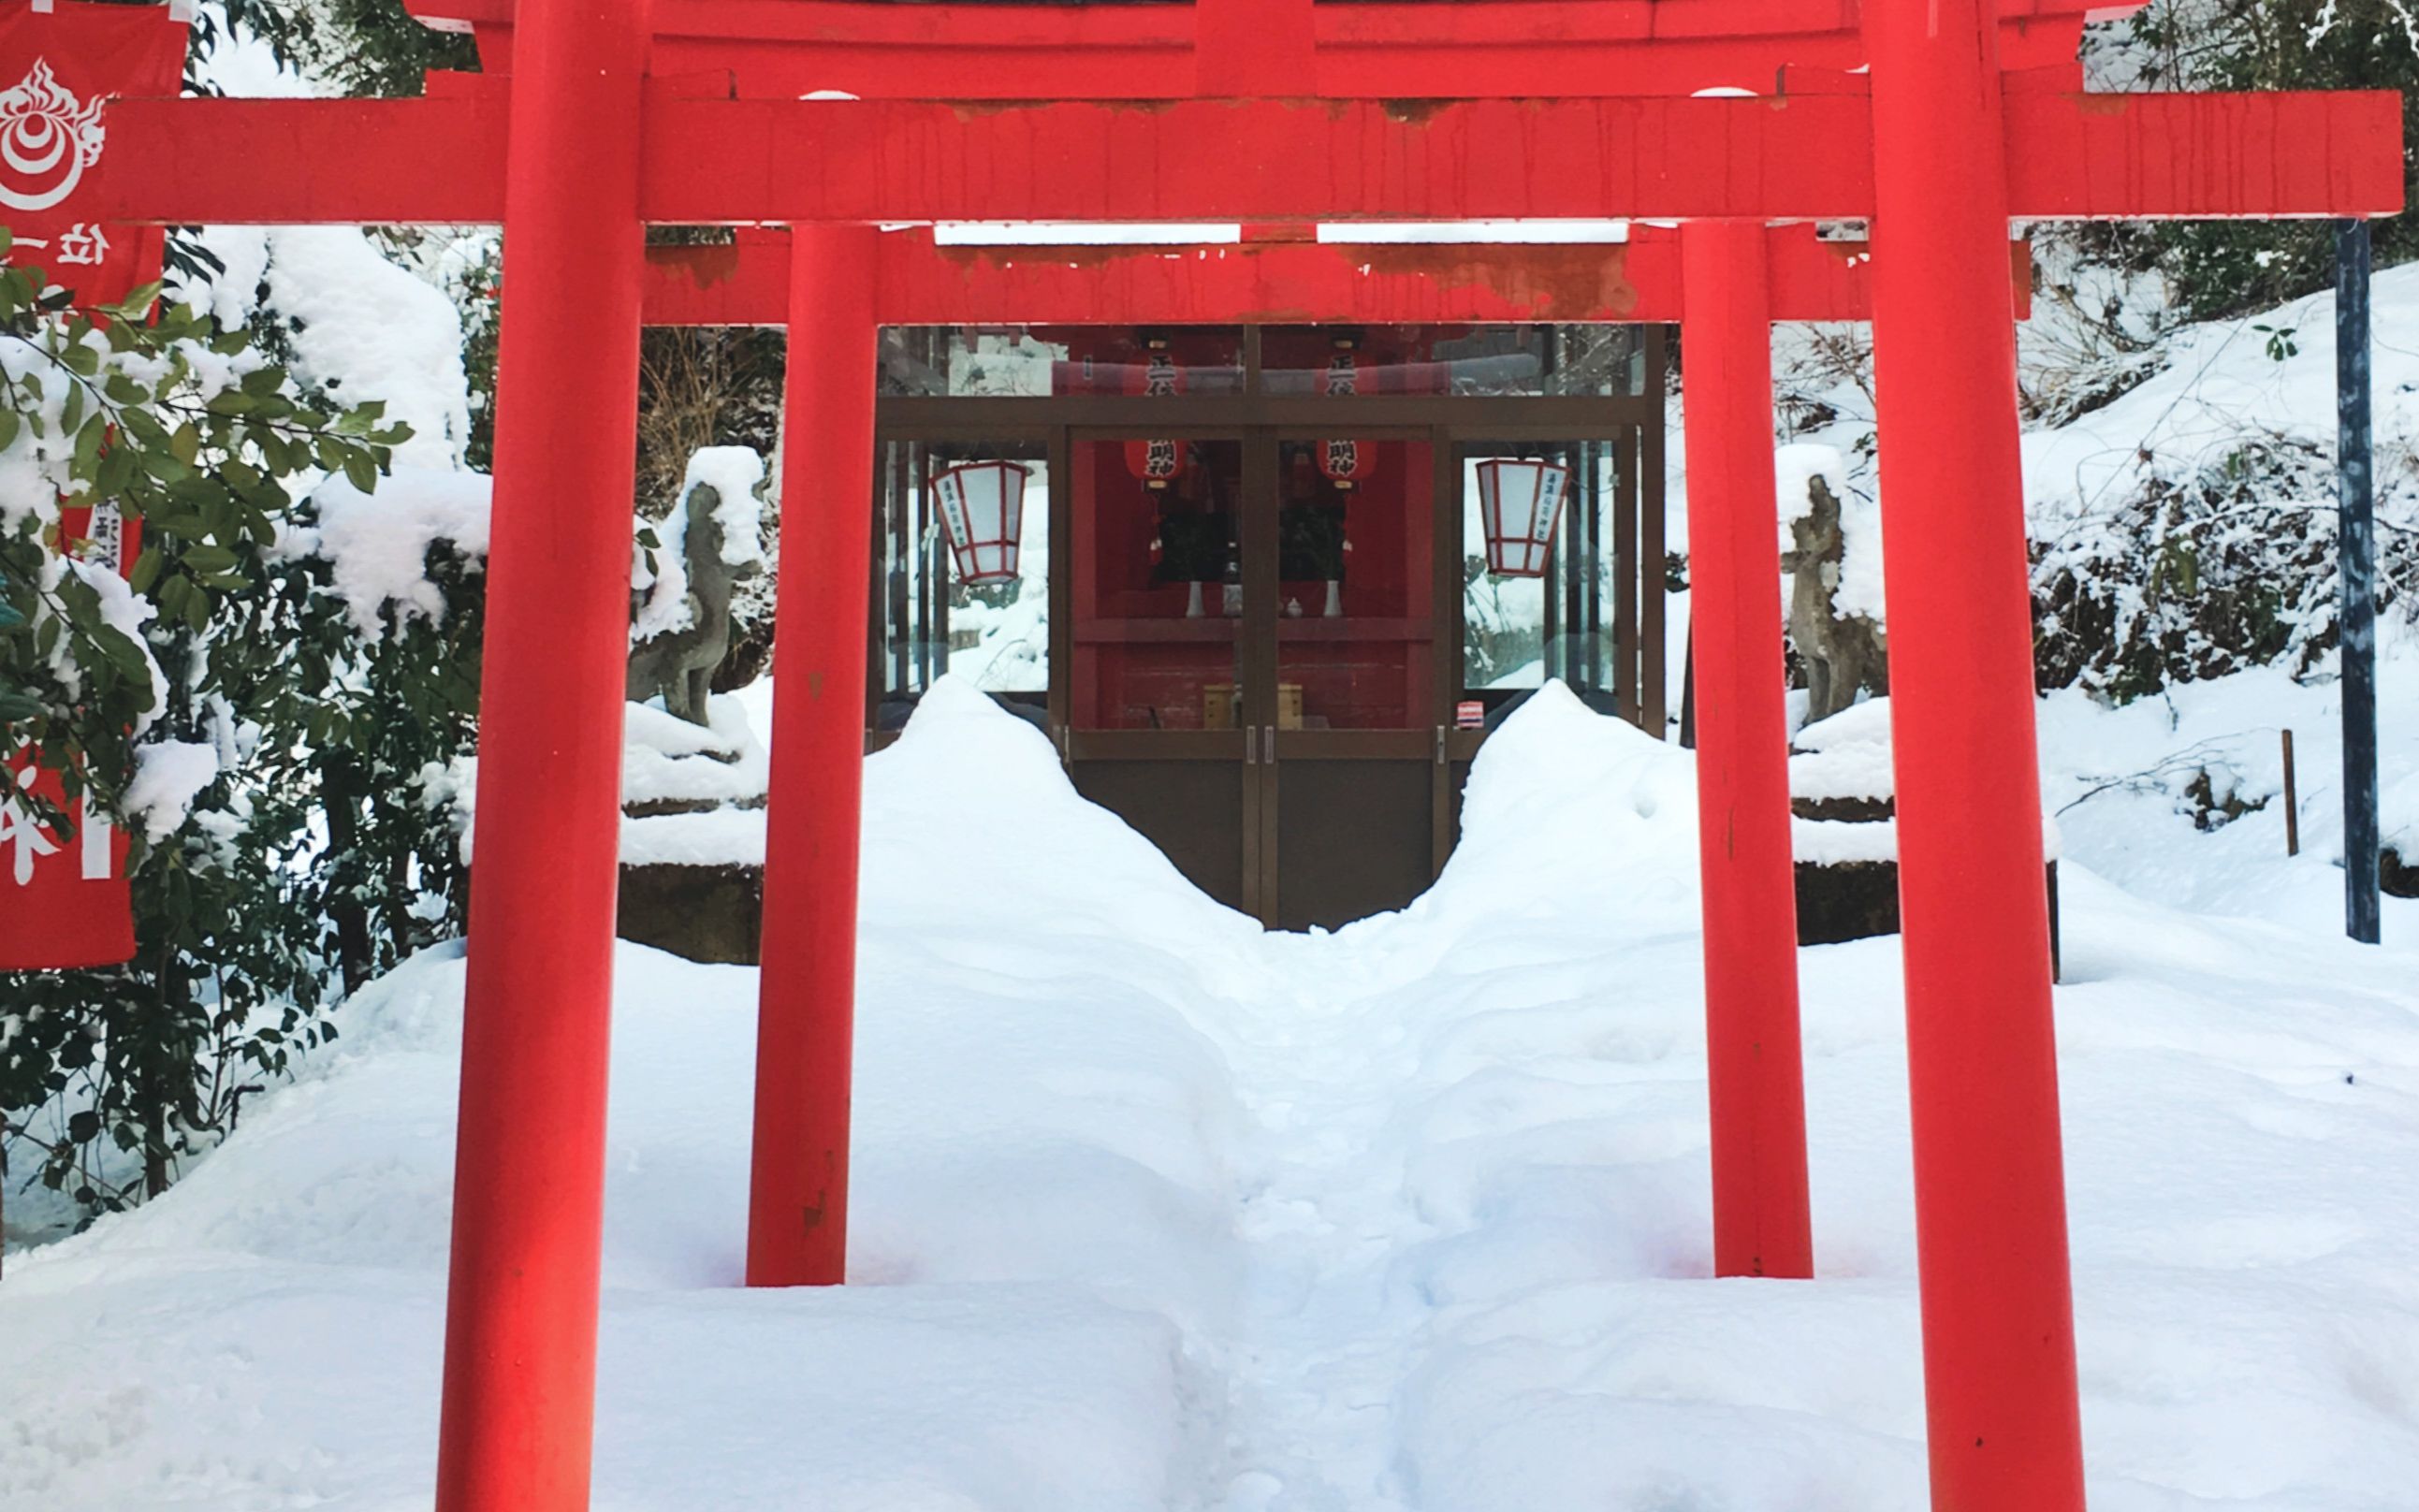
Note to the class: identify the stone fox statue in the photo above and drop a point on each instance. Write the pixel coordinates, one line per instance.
(1843, 652)
(679, 661)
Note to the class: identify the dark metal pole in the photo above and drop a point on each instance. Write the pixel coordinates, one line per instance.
(2356, 557)
(1689, 691)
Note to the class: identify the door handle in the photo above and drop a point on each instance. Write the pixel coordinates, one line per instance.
(1251, 744)
(1270, 732)
(1439, 746)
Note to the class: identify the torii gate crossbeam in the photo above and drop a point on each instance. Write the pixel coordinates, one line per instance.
(739, 162)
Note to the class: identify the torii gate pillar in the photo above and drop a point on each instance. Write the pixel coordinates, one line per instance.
(520, 1322)
(797, 1196)
(1756, 1081)
(1999, 1327)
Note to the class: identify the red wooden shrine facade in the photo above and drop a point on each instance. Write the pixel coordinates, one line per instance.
(1941, 122)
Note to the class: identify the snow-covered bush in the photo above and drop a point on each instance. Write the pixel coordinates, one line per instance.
(2187, 528)
(2210, 570)
(218, 705)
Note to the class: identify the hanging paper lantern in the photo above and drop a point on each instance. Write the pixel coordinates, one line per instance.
(982, 507)
(1520, 501)
(1157, 463)
(65, 902)
(1347, 463)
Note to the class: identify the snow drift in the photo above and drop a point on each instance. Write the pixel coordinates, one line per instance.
(1160, 1211)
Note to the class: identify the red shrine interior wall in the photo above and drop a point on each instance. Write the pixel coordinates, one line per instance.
(1157, 591)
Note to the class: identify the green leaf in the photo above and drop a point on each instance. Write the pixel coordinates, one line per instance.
(87, 445)
(125, 658)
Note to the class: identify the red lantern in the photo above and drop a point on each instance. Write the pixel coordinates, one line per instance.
(1520, 501)
(1157, 463)
(1347, 463)
(982, 508)
(66, 902)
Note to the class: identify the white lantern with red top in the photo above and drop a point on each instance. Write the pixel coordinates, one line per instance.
(1345, 462)
(1157, 463)
(1520, 501)
(982, 508)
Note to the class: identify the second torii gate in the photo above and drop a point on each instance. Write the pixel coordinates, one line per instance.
(1515, 109)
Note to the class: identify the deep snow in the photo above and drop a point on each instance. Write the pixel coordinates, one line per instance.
(1156, 1210)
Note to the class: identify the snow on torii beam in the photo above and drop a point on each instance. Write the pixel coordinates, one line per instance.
(440, 160)
(748, 282)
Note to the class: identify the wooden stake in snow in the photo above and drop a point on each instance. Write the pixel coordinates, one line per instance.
(2292, 802)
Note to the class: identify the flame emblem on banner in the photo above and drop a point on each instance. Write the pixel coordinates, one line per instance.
(48, 138)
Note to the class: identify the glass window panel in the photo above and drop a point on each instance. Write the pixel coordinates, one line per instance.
(1032, 361)
(1356, 640)
(1517, 632)
(1474, 360)
(927, 620)
(1157, 595)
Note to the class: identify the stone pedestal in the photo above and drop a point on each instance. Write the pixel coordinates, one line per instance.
(706, 912)
(2397, 876)
(693, 835)
(1844, 826)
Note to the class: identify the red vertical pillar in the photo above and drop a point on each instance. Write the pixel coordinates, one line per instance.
(1757, 1086)
(520, 1327)
(797, 1196)
(1998, 1330)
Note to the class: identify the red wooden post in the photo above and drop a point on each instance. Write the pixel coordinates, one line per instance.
(797, 1197)
(521, 1335)
(1757, 1082)
(1998, 1329)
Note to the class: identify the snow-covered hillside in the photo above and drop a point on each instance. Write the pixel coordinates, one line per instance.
(1157, 1211)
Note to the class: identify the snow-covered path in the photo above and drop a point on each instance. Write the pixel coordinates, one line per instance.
(1323, 1343)
(1160, 1213)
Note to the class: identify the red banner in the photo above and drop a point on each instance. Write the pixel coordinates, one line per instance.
(56, 68)
(65, 901)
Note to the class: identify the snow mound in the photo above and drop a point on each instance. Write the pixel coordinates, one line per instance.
(379, 543)
(660, 579)
(168, 776)
(1794, 468)
(1157, 1212)
(666, 761)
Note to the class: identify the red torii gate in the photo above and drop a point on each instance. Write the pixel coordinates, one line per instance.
(1265, 112)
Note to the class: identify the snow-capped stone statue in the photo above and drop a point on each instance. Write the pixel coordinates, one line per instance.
(681, 625)
(1845, 654)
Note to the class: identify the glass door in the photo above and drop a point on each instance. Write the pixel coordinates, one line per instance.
(1167, 625)
(1350, 757)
